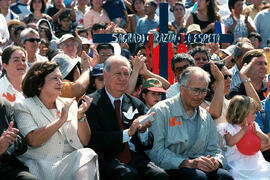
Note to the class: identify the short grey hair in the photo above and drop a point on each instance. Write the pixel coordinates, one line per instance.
(185, 76)
(25, 33)
(108, 62)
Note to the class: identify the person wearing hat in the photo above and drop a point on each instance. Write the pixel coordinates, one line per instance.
(69, 44)
(12, 26)
(151, 92)
(97, 79)
(75, 83)
(194, 29)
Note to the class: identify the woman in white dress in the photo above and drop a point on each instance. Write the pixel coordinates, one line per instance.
(55, 128)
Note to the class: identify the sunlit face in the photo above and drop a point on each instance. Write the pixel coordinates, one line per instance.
(151, 98)
(37, 5)
(43, 49)
(149, 9)
(65, 23)
(238, 7)
(99, 82)
(70, 48)
(179, 67)
(251, 117)
(139, 6)
(116, 80)
(4, 4)
(16, 67)
(200, 59)
(255, 42)
(53, 84)
(179, 11)
(29, 45)
(202, 4)
(259, 68)
(190, 98)
(104, 54)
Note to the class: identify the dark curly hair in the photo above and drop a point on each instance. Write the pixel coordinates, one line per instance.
(207, 68)
(35, 77)
(43, 7)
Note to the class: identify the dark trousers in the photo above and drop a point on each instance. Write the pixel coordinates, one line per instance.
(16, 174)
(139, 168)
(196, 174)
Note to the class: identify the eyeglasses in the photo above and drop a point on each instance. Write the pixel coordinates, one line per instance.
(70, 45)
(105, 55)
(180, 69)
(226, 76)
(197, 91)
(33, 40)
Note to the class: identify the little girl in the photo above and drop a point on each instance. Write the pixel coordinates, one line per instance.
(151, 92)
(240, 114)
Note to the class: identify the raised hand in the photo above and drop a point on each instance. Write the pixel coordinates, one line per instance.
(216, 72)
(85, 61)
(233, 15)
(86, 102)
(65, 110)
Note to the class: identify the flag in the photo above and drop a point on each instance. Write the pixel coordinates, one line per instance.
(220, 28)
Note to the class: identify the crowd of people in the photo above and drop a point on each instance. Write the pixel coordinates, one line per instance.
(74, 109)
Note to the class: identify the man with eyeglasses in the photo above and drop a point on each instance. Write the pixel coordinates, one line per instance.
(104, 52)
(179, 63)
(186, 142)
(30, 39)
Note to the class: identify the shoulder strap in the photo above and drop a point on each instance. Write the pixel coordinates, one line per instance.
(264, 121)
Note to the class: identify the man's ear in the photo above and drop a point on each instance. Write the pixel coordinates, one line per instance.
(4, 65)
(181, 88)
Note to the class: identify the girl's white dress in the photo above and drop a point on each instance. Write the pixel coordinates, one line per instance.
(243, 167)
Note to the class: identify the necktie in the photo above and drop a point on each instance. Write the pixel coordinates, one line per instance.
(123, 156)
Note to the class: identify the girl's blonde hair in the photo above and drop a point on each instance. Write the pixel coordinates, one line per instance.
(239, 108)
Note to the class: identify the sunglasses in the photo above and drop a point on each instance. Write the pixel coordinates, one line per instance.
(33, 40)
(193, 45)
(226, 76)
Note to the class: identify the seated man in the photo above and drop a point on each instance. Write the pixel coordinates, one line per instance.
(12, 144)
(186, 142)
(256, 75)
(116, 134)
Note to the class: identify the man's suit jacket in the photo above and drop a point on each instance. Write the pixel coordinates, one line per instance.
(106, 134)
(9, 162)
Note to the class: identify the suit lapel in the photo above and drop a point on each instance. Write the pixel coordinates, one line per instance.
(127, 110)
(43, 109)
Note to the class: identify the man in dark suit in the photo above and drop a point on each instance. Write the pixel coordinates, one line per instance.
(12, 144)
(116, 134)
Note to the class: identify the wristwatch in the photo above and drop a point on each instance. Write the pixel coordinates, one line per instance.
(248, 80)
(82, 119)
